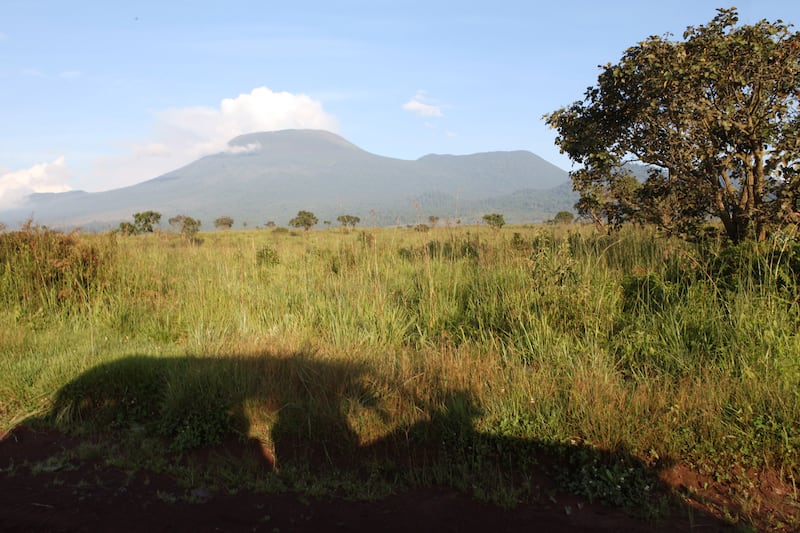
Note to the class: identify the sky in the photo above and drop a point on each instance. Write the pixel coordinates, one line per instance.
(97, 95)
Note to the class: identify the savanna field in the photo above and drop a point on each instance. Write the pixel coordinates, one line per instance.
(362, 361)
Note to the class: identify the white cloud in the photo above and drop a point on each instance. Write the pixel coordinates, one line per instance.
(423, 106)
(246, 149)
(44, 177)
(184, 134)
(32, 73)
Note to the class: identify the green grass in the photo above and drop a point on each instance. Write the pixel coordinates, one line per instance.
(461, 341)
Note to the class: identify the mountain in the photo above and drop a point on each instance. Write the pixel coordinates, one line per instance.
(271, 176)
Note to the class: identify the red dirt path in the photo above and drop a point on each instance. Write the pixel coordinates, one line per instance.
(90, 497)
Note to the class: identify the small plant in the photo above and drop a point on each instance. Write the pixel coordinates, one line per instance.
(518, 243)
(618, 481)
(267, 256)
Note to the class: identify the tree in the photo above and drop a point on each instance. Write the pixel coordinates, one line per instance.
(495, 220)
(715, 117)
(563, 217)
(190, 228)
(433, 220)
(304, 219)
(223, 222)
(348, 220)
(126, 228)
(186, 225)
(145, 221)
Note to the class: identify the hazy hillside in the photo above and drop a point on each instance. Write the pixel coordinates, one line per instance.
(270, 176)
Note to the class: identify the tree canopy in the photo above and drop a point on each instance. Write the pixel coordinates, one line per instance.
(188, 226)
(223, 222)
(563, 217)
(348, 220)
(714, 116)
(304, 219)
(144, 221)
(495, 220)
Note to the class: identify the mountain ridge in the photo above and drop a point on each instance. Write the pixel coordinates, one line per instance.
(269, 176)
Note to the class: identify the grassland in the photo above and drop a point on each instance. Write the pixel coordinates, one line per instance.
(457, 356)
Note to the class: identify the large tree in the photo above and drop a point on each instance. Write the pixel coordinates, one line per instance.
(495, 220)
(715, 116)
(348, 220)
(223, 222)
(304, 219)
(144, 222)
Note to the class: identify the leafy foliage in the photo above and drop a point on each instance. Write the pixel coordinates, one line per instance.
(495, 220)
(716, 118)
(127, 228)
(187, 226)
(223, 222)
(304, 219)
(348, 220)
(42, 268)
(563, 217)
(267, 256)
(144, 222)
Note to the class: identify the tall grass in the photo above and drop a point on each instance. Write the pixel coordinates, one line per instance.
(627, 343)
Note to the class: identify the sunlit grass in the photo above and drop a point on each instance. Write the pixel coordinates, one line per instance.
(628, 343)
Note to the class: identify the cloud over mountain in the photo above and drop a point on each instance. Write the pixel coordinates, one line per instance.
(272, 175)
(44, 177)
(182, 135)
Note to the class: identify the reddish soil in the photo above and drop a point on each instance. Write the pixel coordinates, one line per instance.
(91, 497)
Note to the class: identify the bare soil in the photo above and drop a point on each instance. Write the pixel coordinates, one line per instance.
(41, 495)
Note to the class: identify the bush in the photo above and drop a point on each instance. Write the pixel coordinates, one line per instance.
(750, 263)
(267, 256)
(40, 267)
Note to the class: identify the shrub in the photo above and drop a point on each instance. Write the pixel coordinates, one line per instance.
(223, 222)
(495, 220)
(40, 267)
(267, 256)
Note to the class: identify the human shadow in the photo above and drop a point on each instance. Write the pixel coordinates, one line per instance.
(195, 401)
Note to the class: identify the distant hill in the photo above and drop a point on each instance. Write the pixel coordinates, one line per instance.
(270, 176)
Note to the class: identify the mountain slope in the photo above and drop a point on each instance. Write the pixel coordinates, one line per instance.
(271, 176)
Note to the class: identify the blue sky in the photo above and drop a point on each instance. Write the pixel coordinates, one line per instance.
(98, 95)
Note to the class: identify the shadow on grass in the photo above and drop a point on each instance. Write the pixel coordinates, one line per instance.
(189, 403)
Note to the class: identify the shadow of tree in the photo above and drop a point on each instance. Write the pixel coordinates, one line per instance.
(191, 402)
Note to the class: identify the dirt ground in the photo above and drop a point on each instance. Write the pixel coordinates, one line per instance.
(39, 496)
